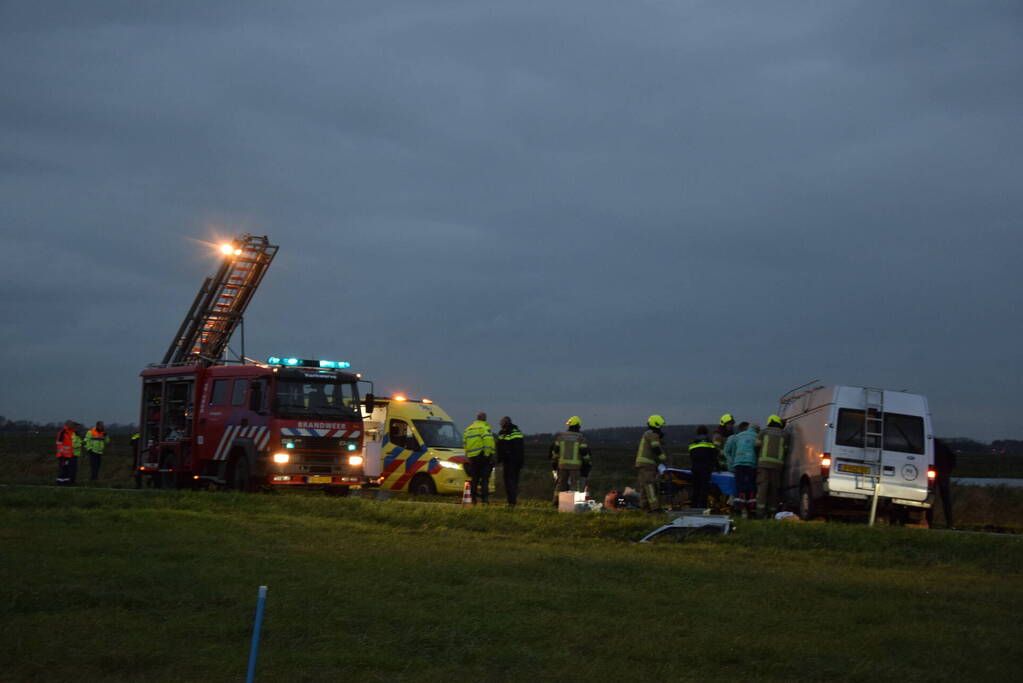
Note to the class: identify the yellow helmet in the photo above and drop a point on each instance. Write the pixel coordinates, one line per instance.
(574, 421)
(773, 419)
(726, 418)
(655, 421)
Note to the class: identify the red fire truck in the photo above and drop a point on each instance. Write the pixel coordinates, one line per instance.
(242, 424)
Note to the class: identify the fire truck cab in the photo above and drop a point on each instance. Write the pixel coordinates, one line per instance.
(249, 426)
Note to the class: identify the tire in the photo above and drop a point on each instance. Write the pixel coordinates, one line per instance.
(422, 485)
(241, 475)
(806, 511)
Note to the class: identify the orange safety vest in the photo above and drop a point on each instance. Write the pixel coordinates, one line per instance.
(65, 443)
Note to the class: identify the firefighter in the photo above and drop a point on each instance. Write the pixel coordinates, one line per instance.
(771, 446)
(96, 440)
(569, 453)
(510, 457)
(725, 429)
(703, 458)
(65, 452)
(649, 455)
(478, 441)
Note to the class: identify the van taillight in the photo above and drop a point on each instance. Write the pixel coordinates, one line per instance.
(931, 477)
(825, 464)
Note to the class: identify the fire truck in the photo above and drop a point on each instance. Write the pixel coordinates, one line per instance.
(241, 424)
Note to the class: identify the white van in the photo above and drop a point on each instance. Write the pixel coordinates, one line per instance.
(847, 443)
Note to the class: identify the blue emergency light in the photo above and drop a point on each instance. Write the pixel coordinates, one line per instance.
(307, 363)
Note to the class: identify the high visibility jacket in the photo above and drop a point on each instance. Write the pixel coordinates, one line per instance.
(478, 440)
(650, 451)
(741, 449)
(65, 443)
(570, 450)
(76, 444)
(96, 441)
(510, 446)
(772, 447)
(703, 452)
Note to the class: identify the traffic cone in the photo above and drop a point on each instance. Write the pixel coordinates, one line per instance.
(466, 494)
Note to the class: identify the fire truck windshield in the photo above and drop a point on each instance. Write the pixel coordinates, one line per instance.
(313, 398)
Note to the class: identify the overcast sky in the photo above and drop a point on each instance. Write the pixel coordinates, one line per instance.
(538, 209)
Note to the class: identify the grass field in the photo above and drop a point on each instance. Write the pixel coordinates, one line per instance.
(154, 586)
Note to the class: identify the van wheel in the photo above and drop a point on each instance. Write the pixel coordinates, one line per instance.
(422, 485)
(241, 475)
(805, 502)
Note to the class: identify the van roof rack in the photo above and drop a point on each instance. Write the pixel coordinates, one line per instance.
(793, 394)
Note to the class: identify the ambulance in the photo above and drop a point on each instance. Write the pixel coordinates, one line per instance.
(413, 446)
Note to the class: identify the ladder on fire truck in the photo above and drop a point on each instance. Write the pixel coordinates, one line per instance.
(217, 310)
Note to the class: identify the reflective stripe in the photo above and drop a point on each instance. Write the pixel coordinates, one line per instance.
(702, 444)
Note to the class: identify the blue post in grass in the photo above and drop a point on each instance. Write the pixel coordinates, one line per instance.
(254, 650)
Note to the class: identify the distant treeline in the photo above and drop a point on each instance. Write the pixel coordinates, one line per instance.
(683, 434)
(31, 427)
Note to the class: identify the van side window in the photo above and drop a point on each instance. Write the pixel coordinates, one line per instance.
(219, 394)
(238, 392)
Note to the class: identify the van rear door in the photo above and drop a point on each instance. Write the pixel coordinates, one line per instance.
(905, 456)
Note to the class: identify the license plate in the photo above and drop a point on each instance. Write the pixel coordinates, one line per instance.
(319, 480)
(854, 469)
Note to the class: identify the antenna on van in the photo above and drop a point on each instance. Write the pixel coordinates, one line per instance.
(792, 394)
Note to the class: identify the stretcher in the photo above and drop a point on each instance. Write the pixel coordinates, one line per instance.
(676, 488)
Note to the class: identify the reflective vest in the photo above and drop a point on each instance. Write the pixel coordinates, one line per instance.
(568, 450)
(772, 447)
(650, 451)
(712, 450)
(65, 443)
(478, 440)
(76, 444)
(96, 441)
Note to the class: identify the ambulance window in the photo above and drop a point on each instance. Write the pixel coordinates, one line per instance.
(400, 435)
(219, 394)
(238, 393)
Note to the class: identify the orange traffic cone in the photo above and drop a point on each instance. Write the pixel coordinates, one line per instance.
(466, 495)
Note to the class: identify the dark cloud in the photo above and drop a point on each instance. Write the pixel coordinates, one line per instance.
(537, 208)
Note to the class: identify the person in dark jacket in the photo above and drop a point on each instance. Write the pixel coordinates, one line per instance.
(944, 463)
(703, 458)
(510, 456)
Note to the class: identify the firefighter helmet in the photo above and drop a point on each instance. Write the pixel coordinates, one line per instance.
(655, 421)
(726, 418)
(574, 421)
(774, 420)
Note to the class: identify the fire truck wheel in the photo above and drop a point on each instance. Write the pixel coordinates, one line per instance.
(422, 485)
(241, 475)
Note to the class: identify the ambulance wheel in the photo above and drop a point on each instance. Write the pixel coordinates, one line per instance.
(241, 475)
(422, 485)
(806, 510)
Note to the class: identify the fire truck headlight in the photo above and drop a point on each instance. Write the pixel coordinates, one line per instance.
(355, 460)
(281, 458)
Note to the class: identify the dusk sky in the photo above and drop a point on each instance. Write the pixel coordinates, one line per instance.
(540, 209)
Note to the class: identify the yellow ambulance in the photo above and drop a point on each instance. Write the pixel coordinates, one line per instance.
(412, 445)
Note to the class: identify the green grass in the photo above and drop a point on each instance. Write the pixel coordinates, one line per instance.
(157, 586)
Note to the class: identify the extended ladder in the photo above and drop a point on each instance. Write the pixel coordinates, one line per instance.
(218, 307)
(873, 441)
